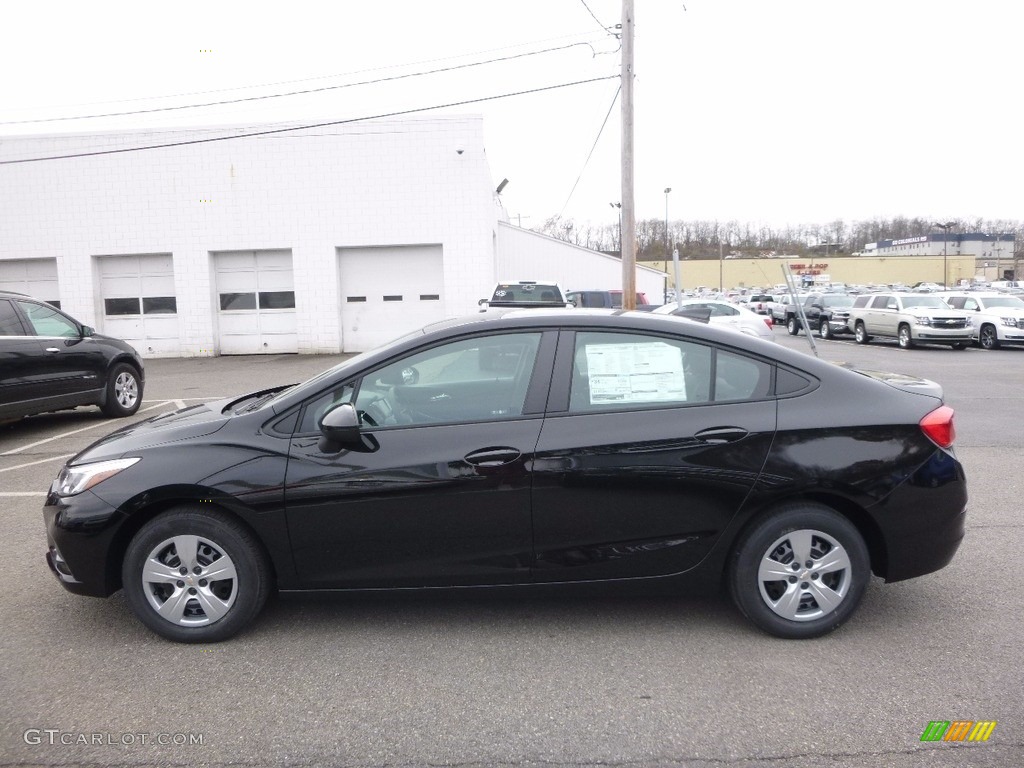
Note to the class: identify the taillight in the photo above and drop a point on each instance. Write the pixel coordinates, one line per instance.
(768, 322)
(938, 426)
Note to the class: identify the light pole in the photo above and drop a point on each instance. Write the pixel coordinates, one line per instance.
(675, 254)
(945, 230)
(999, 264)
(619, 206)
(667, 190)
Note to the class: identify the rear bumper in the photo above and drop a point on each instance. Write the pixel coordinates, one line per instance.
(924, 520)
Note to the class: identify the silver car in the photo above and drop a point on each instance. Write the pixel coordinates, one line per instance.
(726, 314)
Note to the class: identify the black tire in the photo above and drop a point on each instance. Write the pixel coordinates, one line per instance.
(792, 325)
(860, 333)
(906, 341)
(824, 329)
(124, 392)
(988, 337)
(199, 610)
(790, 607)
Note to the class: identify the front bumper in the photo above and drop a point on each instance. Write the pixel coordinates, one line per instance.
(80, 532)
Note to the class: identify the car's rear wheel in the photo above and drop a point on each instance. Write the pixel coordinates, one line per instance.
(860, 333)
(195, 576)
(906, 341)
(800, 572)
(988, 338)
(824, 329)
(793, 326)
(124, 391)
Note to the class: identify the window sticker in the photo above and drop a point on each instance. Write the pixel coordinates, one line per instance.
(643, 372)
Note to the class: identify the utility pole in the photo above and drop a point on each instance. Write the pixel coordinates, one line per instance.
(628, 243)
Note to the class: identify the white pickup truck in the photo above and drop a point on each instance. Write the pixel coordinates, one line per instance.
(910, 318)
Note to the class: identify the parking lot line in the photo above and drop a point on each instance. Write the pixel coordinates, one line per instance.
(9, 494)
(62, 435)
(40, 461)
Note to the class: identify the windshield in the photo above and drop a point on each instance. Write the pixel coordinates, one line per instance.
(1011, 302)
(519, 293)
(838, 301)
(927, 302)
(311, 385)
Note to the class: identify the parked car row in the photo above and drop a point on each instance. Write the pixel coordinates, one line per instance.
(952, 318)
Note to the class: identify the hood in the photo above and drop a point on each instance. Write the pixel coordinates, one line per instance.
(183, 424)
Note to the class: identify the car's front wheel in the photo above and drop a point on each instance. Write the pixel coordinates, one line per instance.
(988, 338)
(824, 329)
(195, 575)
(124, 392)
(793, 326)
(906, 341)
(800, 572)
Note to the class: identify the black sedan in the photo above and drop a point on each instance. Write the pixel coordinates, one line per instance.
(50, 362)
(531, 448)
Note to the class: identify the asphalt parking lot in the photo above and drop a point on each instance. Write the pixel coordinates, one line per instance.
(467, 680)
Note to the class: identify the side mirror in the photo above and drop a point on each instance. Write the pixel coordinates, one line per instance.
(340, 428)
(341, 423)
(481, 302)
(87, 331)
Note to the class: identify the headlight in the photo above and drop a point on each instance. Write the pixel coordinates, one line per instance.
(74, 480)
(1010, 321)
(921, 320)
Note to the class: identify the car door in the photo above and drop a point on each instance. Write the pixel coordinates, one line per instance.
(649, 448)
(881, 319)
(70, 365)
(19, 354)
(439, 493)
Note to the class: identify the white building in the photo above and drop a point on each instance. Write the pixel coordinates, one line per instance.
(977, 244)
(315, 240)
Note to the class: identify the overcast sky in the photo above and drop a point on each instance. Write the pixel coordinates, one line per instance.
(789, 112)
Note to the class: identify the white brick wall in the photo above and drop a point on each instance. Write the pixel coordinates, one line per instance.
(311, 192)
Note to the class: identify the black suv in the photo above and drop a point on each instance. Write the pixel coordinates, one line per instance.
(49, 362)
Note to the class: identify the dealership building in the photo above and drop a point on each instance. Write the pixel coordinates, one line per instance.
(271, 239)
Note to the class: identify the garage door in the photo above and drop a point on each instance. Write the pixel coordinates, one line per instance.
(139, 303)
(256, 302)
(386, 292)
(34, 277)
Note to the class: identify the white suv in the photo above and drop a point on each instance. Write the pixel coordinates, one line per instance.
(996, 318)
(910, 318)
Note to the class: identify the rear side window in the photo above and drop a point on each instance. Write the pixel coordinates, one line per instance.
(614, 371)
(10, 325)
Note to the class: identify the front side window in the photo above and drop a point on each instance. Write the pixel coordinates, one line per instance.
(613, 371)
(478, 379)
(47, 321)
(319, 407)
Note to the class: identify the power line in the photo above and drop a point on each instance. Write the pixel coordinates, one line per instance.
(305, 92)
(586, 162)
(584, 4)
(308, 126)
(301, 80)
